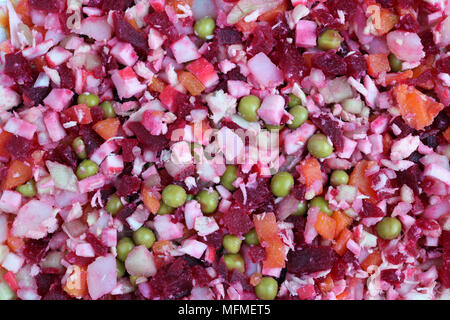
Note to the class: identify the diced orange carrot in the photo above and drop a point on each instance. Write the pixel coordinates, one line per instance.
(4, 136)
(40, 63)
(388, 20)
(244, 26)
(341, 243)
(267, 231)
(310, 171)
(175, 4)
(76, 283)
(419, 70)
(270, 15)
(150, 201)
(327, 285)
(373, 259)
(446, 134)
(157, 85)
(24, 10)
(18, 173)
(6, 47)
(133, 22)
(343, 295)
(359, 180)
(191, 83)
(393, 78)
(107, 128)
(342, 221)
(15, 244)
(325, 226)
(4, 21)
(161, 249)
(417, 109)
(377, 63)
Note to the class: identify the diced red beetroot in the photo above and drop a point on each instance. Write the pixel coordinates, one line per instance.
(356, 65)
(19, 148)
(228, 35)
(127, 148)
(127, 185)
(407, 23)
(348, 7)
(392, 276)
(120, 5)
(427, 224)
(67, 77)
(172, 98)
(45, 281)
(237, 276)
(260, 198)
(290, 61)
(200, 275)
(395, 257)
(311, 259)
(33, 96)
(331, 129)
(18, 68)
(215, 239)
(386, 3)
(445, 242)
(125, 32)
(172, 281)
(161, 22)
(443, 65)
(56, 293)
(325, 18)
(405, 129)
(72, 258)
(47, 6)
(91, 139)
(99, 248)
(154, 143)
(330, 63)
(412, 177)
(126, 211)
(63, 154)
(369, 210)
(237, 221)
(444, 274)
(262, 40)
(35, 250)
(299, 191)
(280, 28)
(257, 254)
(429, 46)
(96, 113)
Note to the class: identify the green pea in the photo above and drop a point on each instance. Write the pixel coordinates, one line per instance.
(204, 27)
(89, 99)
(174, 196)
(395, 63)
(79, 147)
(28, 189)
(133, 280)
(272, 127)
(232, 243)
(338, 177)
(300, 116)
(208, 200)
(234, 261)
(124, 247)
(319, 146)
(301, 209)
(248, 107)
(293, 100)
(322, 204)
(87, 168)
(114, 204)
(281, 184)
(251, 237)
(267, 289)
(389, 228)
(120, 267)
(164, 209)
(108, 110)
(228, 177)
(144, 236)
(330, 39)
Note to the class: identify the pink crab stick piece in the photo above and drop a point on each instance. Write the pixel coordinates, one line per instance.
(59, 99)
(184, 50)
(272, 109)
(20, 127)
(127, 83)
(204, 71)
(306, 34)
(266, 73)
